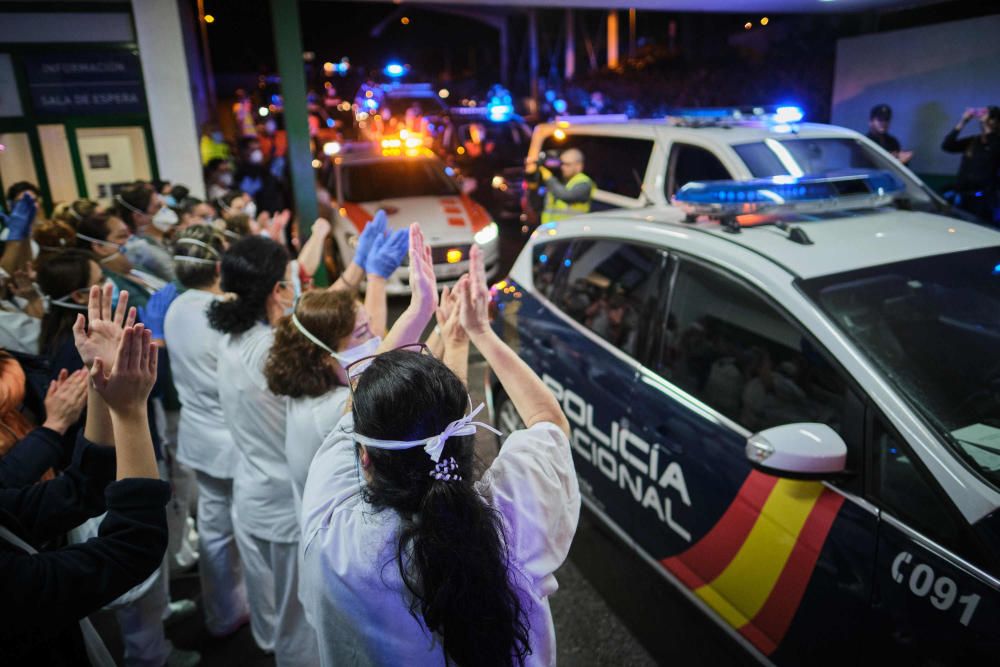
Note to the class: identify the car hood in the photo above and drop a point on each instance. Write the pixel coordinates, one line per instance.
(444, 220)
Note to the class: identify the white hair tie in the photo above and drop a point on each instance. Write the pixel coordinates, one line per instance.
(433, 445)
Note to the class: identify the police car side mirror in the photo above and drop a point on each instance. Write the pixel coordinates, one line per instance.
(799, 451)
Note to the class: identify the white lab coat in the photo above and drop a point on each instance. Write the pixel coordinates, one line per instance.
(205, 444)
(360, 608)
(310, 420)
(264, 518)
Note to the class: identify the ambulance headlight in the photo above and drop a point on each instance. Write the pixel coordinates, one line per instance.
(487, 234)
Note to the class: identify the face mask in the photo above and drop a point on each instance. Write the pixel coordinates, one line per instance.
(164, 219)
(217, 137)
(256, 156)
(68, 302)
(226, 179)
(251, 210)
(170, 200)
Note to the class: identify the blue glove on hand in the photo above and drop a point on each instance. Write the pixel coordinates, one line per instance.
(154, 313)
(388, 253)
(375, 229)
(19, 221)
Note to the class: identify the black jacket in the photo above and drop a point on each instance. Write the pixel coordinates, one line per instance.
(43, 596)
(30, 457)
(980, 160)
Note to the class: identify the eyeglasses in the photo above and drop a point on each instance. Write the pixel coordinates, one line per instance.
(357, 367)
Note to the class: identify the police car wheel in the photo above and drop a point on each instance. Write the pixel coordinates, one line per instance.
(507, 418)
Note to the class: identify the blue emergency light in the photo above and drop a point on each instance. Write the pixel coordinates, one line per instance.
(788, 114)
(501, 105)
(856, 189)
(394, 70)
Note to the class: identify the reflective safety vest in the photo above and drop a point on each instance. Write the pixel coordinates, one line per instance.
(557, 209)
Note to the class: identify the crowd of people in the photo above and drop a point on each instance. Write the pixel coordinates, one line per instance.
(178, 393)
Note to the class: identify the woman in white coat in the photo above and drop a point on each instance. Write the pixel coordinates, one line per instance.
(257, 273)
(204, 442)
(406, 559)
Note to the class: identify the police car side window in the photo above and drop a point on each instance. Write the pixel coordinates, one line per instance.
(611, 287)
(547, 267)
(616, 164)
(692, 163)
(730, 348)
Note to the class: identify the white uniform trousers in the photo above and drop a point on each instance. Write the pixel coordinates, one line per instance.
(224, 593)
(277, 618)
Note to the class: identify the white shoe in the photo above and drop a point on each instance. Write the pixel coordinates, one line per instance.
(179, 610)
(181, 658)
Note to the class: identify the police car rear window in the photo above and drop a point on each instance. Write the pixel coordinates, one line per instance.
(932, 325)
(616, 164)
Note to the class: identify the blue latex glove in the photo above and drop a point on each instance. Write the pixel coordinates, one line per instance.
(20, 218)
(154, 313)
(375, 229)
(388, 254)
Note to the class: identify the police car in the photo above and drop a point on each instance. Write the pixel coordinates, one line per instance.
(404, 178)
(637, 163)
(785, 396)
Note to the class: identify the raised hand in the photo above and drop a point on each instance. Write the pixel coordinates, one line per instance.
(387, 253)
(275, 230)
(320, 228)
(474, 296)
(448, 316)
(125, 386)
(65, 400)
(98, 335)
(375, 229)
(423, 282)
(21, 216)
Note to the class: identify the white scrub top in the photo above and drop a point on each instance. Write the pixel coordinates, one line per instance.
(310, 420)
(262, 490)
(359, 606)
(203, 439)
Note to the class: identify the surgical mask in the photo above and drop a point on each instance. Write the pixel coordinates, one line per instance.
(226, 179)
(256, 156)
(251, 210)
(165, 219)
(170, 201)
(348, 356)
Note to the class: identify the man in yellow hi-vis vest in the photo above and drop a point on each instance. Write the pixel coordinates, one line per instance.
(571, 196)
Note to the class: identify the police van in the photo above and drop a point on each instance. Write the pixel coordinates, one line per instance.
(784, 394)
(638, 163)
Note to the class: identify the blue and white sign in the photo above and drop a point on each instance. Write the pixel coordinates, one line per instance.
(85, 82)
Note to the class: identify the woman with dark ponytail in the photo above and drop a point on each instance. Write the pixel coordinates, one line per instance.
(258, 280)
(408, 559)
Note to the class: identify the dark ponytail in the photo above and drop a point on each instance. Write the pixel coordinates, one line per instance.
(452, 552)
(250, 270)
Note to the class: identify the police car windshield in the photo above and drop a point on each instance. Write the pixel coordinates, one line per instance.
(389, 179)
(796, 156)
(932, 325)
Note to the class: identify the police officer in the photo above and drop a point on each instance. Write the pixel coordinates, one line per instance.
(977, 174)
(878, 131)
(569, 196)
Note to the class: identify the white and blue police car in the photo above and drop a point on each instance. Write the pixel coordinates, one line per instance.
(785, 396)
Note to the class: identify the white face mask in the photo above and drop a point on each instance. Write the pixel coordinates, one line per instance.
(251, 210)
(256, 156)
(165, 219)
(226, 179)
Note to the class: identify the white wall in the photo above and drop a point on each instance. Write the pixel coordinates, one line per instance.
(168, 92)
(928, 75)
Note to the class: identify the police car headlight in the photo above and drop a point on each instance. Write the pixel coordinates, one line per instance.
(487, 234)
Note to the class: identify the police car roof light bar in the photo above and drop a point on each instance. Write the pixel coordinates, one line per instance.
(725, 200)
(593, 118)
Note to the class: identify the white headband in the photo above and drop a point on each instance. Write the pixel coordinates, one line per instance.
(200, 244)
(194, 260)
(121, 200)
(433, 445)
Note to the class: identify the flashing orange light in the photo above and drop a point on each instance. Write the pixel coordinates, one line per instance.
(765, 21)
(559, 135)
(369, 94)
(500, 285)
(454, 256)
(405, 20)
(460, 150)
(747, 25)
(391, 143)
(414, 142)
(209, 18)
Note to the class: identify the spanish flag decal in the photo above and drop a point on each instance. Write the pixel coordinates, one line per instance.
(753, 567)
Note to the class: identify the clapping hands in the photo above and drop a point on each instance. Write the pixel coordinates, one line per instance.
(98, 334)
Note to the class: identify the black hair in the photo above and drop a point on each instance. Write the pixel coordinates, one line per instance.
(246, 142)
(250, 269)
(213, 166)
(452, 551)
(227, 199)
(186, 205)
(135, 197)
(95, 226)
(180, 192)
(17, 189)
(195, 274)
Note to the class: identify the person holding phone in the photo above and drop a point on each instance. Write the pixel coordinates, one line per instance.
(977, 181)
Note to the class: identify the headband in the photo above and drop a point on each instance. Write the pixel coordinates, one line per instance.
(305, 332)
(433, 445)
(200, 244)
